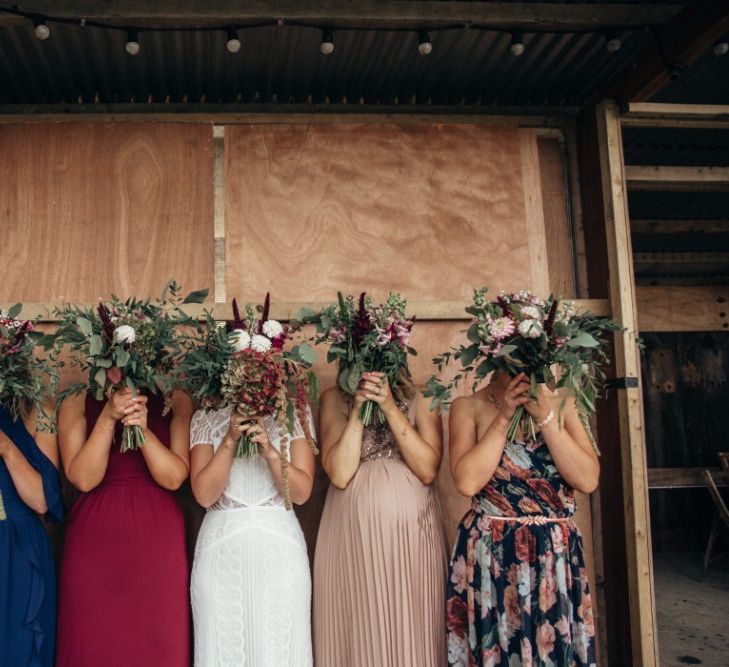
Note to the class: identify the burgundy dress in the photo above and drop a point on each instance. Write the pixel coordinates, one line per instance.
(124, 577)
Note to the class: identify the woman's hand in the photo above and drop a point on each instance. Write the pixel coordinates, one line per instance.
(516, 394)
(236, 427)
(538, 407)
(258, 434)
(375, 387)
(135, 413)
(119, 404)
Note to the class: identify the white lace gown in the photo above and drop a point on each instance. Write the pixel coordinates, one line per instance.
(251, 583)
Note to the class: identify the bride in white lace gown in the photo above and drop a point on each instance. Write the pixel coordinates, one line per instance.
(251, 584)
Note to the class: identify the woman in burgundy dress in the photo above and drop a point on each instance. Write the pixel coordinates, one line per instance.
(124, 576)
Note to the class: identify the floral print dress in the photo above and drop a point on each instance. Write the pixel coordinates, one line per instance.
(517, 590)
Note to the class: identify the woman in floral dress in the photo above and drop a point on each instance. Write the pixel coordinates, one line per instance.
(517, 590)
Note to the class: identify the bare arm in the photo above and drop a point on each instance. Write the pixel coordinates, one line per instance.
(210, 468)
(341, 437)
(26, 479)
(569, 445)
(169, 467)
(421, 445)
(85, 459)
(474, 460)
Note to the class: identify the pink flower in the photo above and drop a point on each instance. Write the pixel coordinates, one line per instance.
(512, 608)
(114, 374)
(545, 640)
(501, 327)
(491, 657)
(457, 616)
(548, 585)
(526, 653)
(459, 576)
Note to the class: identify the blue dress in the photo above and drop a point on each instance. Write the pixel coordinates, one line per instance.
(27, 576)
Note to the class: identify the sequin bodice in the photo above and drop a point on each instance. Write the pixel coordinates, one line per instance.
(378, 442)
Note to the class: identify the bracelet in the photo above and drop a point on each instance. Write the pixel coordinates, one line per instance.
(547, 420)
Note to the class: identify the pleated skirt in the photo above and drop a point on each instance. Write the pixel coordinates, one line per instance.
(380, 572)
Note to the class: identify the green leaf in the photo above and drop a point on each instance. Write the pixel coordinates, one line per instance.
(468, 354)
(14, 311)
(507, 349)
(306, 315)
(121, 356)
(583, 339)
(307, 353)
(84, 325)
(196, 297)
(95, 345)
(100, 377)
(104, 362)
(46, 342)
(472, 333)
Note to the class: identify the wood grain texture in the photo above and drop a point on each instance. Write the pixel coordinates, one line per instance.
(430, 211)
(91, 209)
(556, 218)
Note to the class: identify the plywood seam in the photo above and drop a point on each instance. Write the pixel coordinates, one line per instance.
(219, 212)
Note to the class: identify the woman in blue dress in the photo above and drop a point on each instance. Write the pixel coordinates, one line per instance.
(29, 487)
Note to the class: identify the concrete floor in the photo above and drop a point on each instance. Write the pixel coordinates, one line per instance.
(693, 612)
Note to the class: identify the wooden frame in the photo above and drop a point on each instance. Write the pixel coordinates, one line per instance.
(679, 478)
(698, 116)
(677, 178)
(400, 13)
(630, 403)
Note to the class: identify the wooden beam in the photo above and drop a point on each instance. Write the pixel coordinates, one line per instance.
(425, 310)
(679, 226)
(677, 179)
(678, 43)
(659, 309)
(397, 13)
(683, 309)
(632, 459)
(697, 116)
(270, 114)
(680, 478)
(681, 258)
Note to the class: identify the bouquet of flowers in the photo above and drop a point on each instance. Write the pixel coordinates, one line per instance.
(364, 337)
(131, 343)
(521, 333)
(24, 378)
(244, 365)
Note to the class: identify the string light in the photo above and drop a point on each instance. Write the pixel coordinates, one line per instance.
(613, 43)
(132, 47)
(327, 42)
(233, 42)
(721, 48)
(517, 47)
(425, 46)
(41, 29)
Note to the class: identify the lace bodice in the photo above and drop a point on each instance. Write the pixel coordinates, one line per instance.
(378, 442)
(250, 483)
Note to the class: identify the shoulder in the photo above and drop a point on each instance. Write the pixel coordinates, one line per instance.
(466, 405)
(181, 403)
(332, 397)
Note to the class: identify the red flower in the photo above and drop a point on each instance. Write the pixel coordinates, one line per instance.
(457, 616)
(114, 374)
(498, 501)
(525, 543)
(361, 321)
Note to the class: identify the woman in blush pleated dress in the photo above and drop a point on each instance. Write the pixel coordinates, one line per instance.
(29, 487)
(124, 586)
(251, 583)
(380, 565)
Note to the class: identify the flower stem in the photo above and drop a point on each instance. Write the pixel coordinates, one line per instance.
(245, 449)
(132, 438)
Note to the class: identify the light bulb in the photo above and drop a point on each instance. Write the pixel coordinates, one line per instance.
(517, 47)
(132, 47)
(41, 30)
(233, 43)
(613, 43)
(721, 48)
(425, 46)
(327, 42)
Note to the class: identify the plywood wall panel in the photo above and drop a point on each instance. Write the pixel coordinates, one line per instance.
(427, 210)
(90, 209)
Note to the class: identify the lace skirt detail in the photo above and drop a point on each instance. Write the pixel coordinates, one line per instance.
(251, 590)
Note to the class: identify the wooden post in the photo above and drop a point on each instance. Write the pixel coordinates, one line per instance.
(629, 572)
